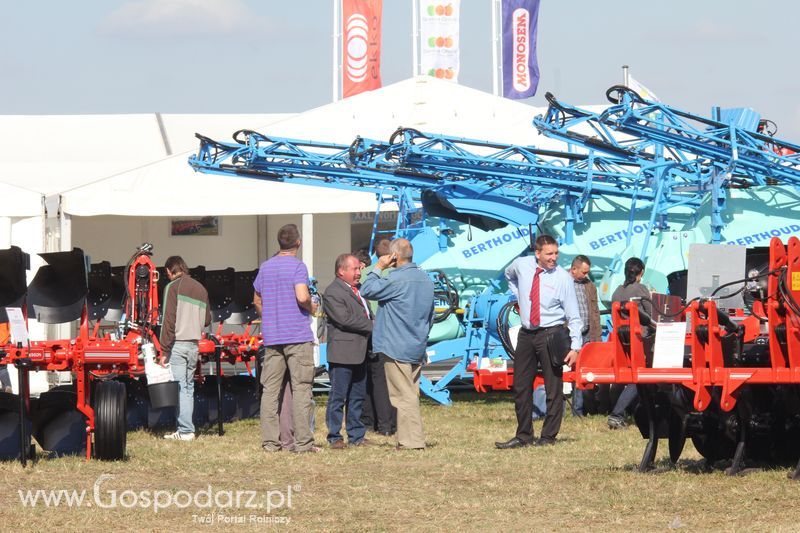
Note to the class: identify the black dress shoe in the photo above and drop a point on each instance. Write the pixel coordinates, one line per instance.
(513, 443)
(544, 441)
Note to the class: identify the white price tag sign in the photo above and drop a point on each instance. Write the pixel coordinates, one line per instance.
(668, 350)
(16, 322)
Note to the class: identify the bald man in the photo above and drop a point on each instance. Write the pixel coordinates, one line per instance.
(400, 335)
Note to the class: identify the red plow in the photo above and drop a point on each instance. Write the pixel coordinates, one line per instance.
(116, 310)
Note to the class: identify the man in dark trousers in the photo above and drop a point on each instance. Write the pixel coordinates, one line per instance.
(186, 313)
(546, 296)
(349, 322)
(589, 310)
(378, 413)
(404, 320)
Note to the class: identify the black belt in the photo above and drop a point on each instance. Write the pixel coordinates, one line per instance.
(534, 331)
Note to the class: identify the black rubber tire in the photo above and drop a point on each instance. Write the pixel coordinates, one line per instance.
(111, 427)
(618, 90)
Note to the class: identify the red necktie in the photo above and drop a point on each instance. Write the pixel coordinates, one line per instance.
(535, 319)
(355, 291)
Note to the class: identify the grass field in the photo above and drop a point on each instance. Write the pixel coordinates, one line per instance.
(460, 482)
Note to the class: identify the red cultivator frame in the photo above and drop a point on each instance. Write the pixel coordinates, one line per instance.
(738, 393)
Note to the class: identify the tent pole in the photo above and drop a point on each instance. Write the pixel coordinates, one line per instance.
(307, 250)
(307, 241)
(495, 51)
(414, 38)
(336, 41)
(5, 232)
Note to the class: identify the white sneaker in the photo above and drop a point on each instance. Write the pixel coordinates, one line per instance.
(179, 436)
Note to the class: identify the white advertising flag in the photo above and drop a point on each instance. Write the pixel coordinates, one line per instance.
(439, 39)
(642, 91)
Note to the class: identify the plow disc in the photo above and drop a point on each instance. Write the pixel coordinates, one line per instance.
(13, 285)
(220, 287)
(116, 302)
(59, 428)
(135, 403)
(10, 434)
(248, 399)
(57, 293)
(99, 294)
(242, 310)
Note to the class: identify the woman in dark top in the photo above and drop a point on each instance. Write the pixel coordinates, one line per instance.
(632, 288)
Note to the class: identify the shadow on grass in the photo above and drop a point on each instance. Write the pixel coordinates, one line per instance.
(696, 467)
(476, 398)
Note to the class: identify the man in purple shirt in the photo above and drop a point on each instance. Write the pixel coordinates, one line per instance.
(282, 296)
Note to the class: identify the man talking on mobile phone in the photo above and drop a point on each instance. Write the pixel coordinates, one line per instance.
(400, 335)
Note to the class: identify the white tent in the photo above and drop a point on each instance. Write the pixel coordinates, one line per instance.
(45, 155)
(170, 187)
(50, 154)
(18, 201)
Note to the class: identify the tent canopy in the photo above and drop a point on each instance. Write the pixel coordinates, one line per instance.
(136, 165)
(170, 187)
(19, 202)
(45, 155)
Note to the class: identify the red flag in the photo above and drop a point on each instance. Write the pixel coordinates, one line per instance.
(361, 47)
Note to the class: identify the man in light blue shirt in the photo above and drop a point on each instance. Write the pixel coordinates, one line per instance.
(400, 334)
(547, 301)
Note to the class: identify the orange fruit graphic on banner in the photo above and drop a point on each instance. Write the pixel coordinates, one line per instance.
(441, 10)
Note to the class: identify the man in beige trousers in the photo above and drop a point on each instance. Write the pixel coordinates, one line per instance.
(400, 334)
(282, 296)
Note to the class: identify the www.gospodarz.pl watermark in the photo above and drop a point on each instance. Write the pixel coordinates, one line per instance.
(105, 497)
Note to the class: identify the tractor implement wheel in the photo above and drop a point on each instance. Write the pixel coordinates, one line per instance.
(714, 447)
(110, 433)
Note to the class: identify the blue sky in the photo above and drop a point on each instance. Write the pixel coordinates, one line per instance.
(248, 56)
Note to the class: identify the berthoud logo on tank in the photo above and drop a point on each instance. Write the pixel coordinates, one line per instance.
(495, 242)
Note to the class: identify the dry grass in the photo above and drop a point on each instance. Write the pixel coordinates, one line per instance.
(459, 483)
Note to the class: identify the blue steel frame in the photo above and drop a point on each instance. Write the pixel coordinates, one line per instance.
(722, 154)
(506, 182)
(662, 162)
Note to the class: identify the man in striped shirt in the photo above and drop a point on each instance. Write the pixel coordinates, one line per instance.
(282, 296)
(589, 310)
(186, 314)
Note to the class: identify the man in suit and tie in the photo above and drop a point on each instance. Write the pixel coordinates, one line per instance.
(546, 296)
(349, 321)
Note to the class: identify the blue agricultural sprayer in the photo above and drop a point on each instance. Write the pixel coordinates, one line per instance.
(484, 201)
